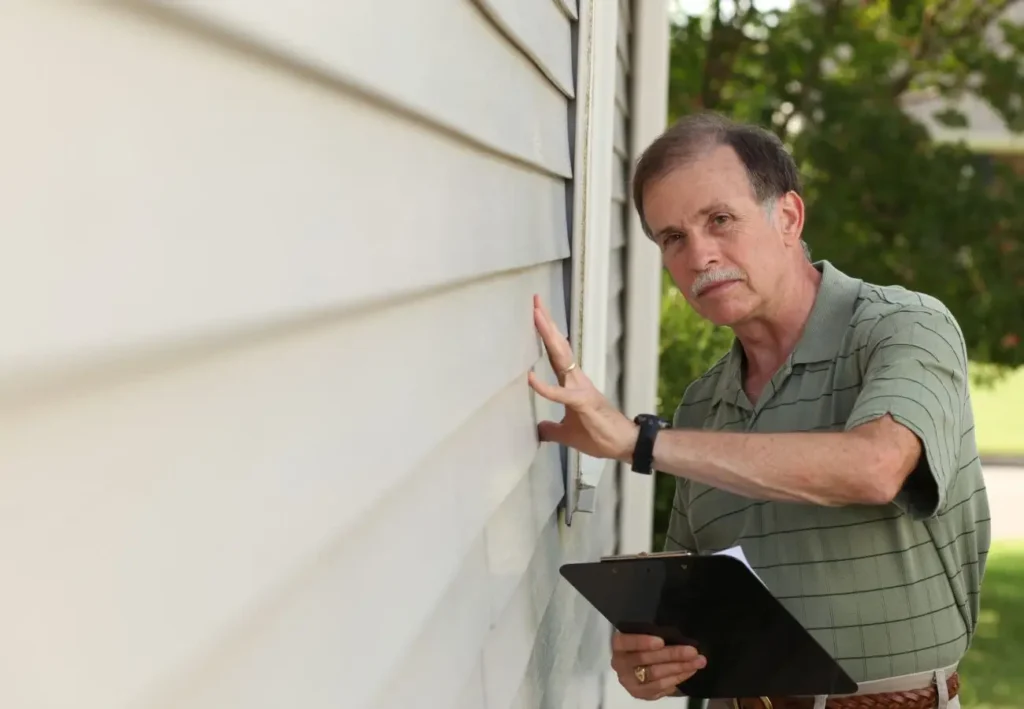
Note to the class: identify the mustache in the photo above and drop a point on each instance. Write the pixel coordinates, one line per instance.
(709, 278)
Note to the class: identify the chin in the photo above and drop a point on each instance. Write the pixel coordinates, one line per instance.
(726, 314)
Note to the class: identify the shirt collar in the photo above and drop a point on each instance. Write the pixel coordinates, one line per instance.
(822, 336)
(830, 316)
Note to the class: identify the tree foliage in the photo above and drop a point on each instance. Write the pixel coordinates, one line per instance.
(689, 345)
(885, 202)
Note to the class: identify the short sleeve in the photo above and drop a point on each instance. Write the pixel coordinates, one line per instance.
(915, 369)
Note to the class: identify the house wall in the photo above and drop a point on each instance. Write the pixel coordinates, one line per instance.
(265, 433)
(985, 132)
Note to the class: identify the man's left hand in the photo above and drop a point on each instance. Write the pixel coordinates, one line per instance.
(591, 424)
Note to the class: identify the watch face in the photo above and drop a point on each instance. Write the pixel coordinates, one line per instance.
(651, 418)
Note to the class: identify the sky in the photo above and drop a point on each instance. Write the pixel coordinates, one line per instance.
(697, 7)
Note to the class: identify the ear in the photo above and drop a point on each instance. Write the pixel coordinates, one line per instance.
(789, 215)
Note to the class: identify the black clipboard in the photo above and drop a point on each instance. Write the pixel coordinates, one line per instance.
(753, 645)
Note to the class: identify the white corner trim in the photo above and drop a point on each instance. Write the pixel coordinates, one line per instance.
(649, 111)
(591, 228)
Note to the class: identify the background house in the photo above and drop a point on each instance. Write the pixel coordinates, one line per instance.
(265, 433)
(985, 133)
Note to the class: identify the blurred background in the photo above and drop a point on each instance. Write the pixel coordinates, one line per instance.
(905, 117)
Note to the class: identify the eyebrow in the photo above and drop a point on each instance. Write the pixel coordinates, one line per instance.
(702, 212)
(714, 207)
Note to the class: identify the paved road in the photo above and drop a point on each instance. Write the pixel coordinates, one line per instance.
(1006, 500)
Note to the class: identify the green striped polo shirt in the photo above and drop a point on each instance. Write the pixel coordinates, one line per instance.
(887, 590)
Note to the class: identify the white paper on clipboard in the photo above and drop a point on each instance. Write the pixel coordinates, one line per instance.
(736, 552)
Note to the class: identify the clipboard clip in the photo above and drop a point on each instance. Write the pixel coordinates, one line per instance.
(646, 555)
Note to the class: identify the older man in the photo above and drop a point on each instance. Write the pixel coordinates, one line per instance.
(834, 442)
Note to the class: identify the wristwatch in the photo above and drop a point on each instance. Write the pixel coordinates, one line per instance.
(643, 452)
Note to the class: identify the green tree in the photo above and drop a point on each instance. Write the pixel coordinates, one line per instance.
(689, 345)
(885, 202)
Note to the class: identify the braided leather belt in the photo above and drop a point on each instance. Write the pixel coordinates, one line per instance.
(925, 698)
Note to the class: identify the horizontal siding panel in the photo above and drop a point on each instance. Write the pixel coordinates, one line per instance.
(623, 43)
(569, 7)
(615, 319)
(614, 396)
(607, 525)
(514, 531)
(619, 180)
(472, 696)
(541, 31)
(509, 543)
(524, 547)
(580, 685)
(451, 639)
(621, 86)
(616, 270)
(555, 645)
(254, 430)
(458, 72)
(620, 198)
(617, 238)
(621, 141)
(508, 646)
(183, 229)
(614, 368)
(594, 656)
(471, 471)
(303, 655)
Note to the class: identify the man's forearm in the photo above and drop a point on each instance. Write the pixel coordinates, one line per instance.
(818, 468)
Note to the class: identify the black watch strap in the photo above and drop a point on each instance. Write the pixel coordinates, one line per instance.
(643, 452)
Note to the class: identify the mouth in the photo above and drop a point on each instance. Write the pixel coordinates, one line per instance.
(717, 287)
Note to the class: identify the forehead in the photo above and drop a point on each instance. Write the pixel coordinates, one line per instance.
(717, 175)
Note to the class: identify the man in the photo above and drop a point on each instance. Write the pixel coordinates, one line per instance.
(834, 442)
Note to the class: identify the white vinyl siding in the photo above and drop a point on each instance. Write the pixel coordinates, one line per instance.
(265, 433)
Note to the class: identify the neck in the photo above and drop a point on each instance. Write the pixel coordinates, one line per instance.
(769, 338)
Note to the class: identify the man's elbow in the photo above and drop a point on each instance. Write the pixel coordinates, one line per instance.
(886, 473)
(890, 453)
(882, 491)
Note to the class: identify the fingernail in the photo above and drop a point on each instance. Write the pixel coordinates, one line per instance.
(702, 661)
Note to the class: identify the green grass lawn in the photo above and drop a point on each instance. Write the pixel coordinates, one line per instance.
(992, 673)
(999, 424)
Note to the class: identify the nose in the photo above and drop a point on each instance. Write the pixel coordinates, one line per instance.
(702, 253)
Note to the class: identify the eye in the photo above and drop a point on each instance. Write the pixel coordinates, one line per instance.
(721, 219)
(668, 239)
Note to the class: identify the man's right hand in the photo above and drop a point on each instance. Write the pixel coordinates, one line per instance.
(665, 666)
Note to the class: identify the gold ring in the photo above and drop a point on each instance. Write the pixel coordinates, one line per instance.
(567, 369)
(641, 674)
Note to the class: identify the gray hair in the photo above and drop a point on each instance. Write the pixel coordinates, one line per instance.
(770, 168)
